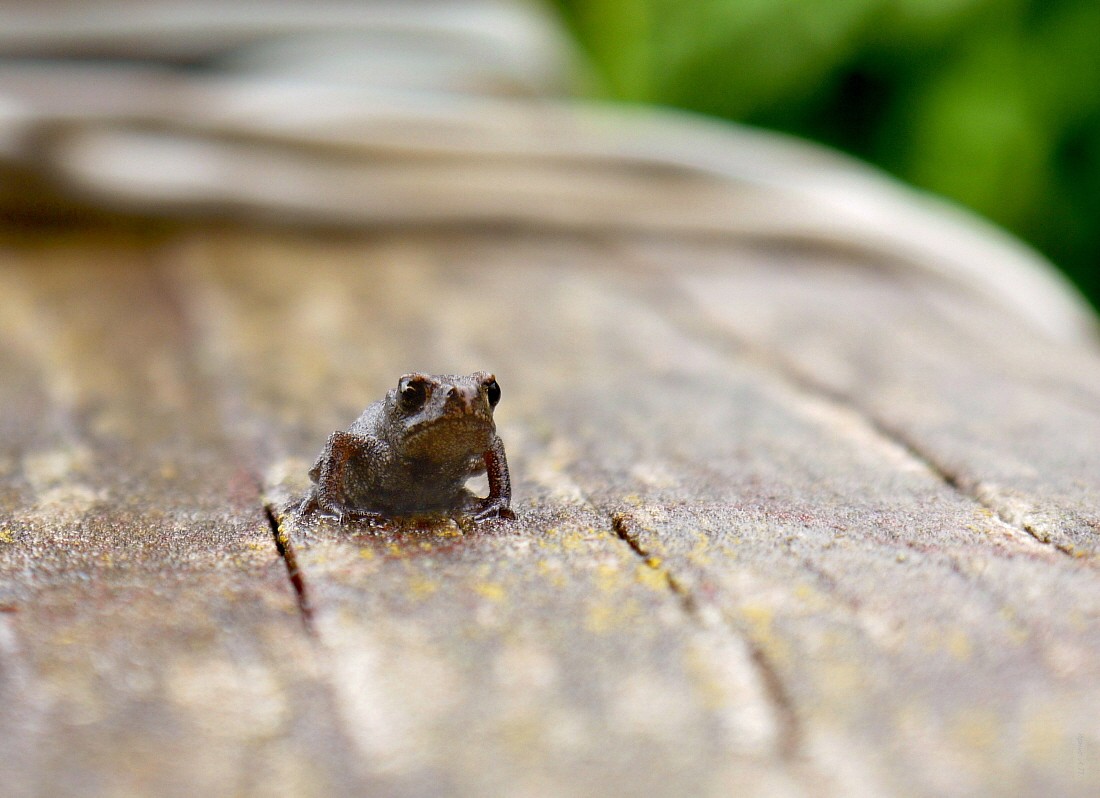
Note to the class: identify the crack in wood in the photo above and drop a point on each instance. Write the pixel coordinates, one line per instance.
(285, 548)
(974, 490)
(620, 526)
(681, 310)
(789, 736)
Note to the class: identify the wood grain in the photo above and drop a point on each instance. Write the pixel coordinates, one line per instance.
(150, 642)
(870, 614)
(804, 463)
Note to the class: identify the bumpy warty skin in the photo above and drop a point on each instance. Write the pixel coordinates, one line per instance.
(413, 451)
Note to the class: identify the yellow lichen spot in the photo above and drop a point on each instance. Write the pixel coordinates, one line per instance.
(653, 562)
(600, 618)
(976, 728)
(912, 719)
(6, 536)
(842, 680)
(366, 554)
(759, 619)
(758, 616)
(653, 578)
(576, 539)
(551, 569)
(490, 590)
(804, 592)
(1045, 741)
(714, 693)
(700, 551)
(419, 588)
(958, 644)
(608, 577)
(1017, 632)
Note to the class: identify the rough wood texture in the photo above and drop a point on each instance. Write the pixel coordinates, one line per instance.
(759, 549)
(805, 466)
(151, 643)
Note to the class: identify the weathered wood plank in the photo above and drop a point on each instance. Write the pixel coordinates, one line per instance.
(1009, 419)
(150, 643)
(847, 561)
(538, 657)
(814, 516)
(884, 625)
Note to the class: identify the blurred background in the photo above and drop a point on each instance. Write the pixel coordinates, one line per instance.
(992, 103)
(341, 110)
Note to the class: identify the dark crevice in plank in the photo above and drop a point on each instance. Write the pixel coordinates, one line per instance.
(285, 548)
(682, 312)
(975, 490)
(790, 732)
(621, 525)
(184, 320)
(789, 736)
(827, 580)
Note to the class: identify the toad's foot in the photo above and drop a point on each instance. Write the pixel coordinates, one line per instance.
(489, 509)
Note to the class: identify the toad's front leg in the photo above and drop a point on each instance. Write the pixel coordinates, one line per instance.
(498, 503)
(329, 496)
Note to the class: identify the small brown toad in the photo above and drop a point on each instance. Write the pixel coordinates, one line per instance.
(412, 453)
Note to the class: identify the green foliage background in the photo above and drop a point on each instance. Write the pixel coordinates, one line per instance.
(994, 103)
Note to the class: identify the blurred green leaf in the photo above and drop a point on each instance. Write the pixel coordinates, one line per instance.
(994, 103)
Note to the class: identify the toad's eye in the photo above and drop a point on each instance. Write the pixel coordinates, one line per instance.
(492, 391)
(413, 393)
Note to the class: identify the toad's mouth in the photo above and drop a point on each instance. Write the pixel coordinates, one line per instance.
(458, 426)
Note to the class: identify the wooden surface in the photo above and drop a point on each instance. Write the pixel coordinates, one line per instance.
(805, 465)
(786, 526)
